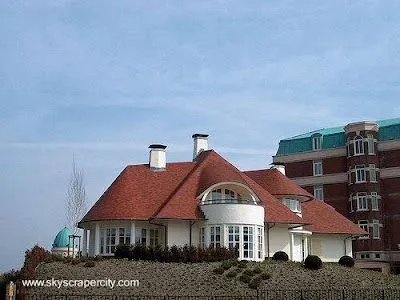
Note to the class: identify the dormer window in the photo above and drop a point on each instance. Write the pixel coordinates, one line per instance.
(225, 194)
(317, 142)
(292, 204)
(230, 193)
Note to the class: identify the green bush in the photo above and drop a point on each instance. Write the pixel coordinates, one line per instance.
(219, 270)
(242, 264)
(257, 270)
(248, 272)
(281, 256)
(313, 262)
(232, 274)
(227, 264)
(123, 251)
(346, 261)
(98, 258)
(75, 261)
(90, 264)
(245, 278)
(265, 276)
(255, 282)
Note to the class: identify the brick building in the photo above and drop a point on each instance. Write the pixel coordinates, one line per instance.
(356, 169)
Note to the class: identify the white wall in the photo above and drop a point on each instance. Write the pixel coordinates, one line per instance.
(178, 233)
(234, 213)
(330, 247)
(279, 239)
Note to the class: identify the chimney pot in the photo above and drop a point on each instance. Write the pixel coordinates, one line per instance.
(200, 143)
(157, 159)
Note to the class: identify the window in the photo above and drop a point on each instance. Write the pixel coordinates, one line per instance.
(215, 236)
(371, 144)
(317, 142)
(292, 204)
(319, 192)
(248, 243)
(102, 240)
(377, 255)
(317, 167)
(154, 237)
(202, 237)
(110, 240)
(233, 237)
(374, 201)
(372, 173)
(360, 174)
(362, 203)
(365, 226)
(216, 194)
(375, 229)
(141, 236)
(358, 145)
(124, 236)
(260, 242)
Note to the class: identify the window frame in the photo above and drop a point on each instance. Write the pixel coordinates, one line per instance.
(293, 204)
(215, 236)
(375, 230)
(141, 236)
(374, 201)
(360, 168)
(319, 190)
(202, 237)
(372, 170)
(125, 236)
(358, 146)
(364, 224)
(317, 142)
(234, 236)
(371, 144)
(317, 166)
(362, 199)
(154, 238)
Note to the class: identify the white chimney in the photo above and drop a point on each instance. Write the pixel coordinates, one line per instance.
(157, 160)
(280, 168)
(200, 143)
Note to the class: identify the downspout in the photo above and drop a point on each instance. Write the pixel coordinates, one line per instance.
(268, 228)
(190, 232)
(165, 231)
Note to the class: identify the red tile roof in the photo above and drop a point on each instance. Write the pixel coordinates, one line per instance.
(139, 193)
(325, 219)
(277, 184)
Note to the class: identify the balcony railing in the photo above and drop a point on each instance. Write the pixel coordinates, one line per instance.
(229, 201)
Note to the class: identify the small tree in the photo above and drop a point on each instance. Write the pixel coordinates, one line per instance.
(76, 198)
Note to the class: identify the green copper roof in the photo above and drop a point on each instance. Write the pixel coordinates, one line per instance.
(334, 137)
(61, 240)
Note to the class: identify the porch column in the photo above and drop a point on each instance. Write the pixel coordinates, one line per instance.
(84, 242)
(97, 240)
(133, 233)
(306, 253)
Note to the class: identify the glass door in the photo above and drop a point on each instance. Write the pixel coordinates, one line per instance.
(248, 242)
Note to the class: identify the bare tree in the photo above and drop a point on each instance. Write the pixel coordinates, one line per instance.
(76, 198)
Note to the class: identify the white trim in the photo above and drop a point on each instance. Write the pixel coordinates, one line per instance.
(310, 155)
(389, 172)
(321, 180)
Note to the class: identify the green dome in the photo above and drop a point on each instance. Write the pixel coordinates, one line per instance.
(61, 240)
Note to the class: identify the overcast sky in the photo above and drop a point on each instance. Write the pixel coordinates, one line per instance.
(102, 80)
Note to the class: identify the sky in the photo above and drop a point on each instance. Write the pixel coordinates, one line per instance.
(100, 81)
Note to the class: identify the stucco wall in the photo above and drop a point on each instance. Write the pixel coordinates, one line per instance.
(330, 247)
(234, 213)
(178, 233)
(279, 240)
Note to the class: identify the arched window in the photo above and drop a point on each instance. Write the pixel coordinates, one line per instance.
(358, 145)
(225, 194)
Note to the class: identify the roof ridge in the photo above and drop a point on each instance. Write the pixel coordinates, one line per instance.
(195, 167)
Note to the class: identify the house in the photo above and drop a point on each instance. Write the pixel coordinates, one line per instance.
(356, 169)
(209, 202)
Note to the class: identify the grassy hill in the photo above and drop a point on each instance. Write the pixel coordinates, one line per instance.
(199, 279)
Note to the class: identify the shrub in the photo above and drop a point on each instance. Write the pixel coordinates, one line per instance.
(123, 251)
(232, 273)
(265, 276)
(219, 270)
(280, 255)
(255, 282)
(245, 278)
(313, 262)
(257, 270)
(227, 264)
(248, 272)
(90, 264)
(75, 261)
(346, 261)
(33, 257)
(242, 264)
(98, 258)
